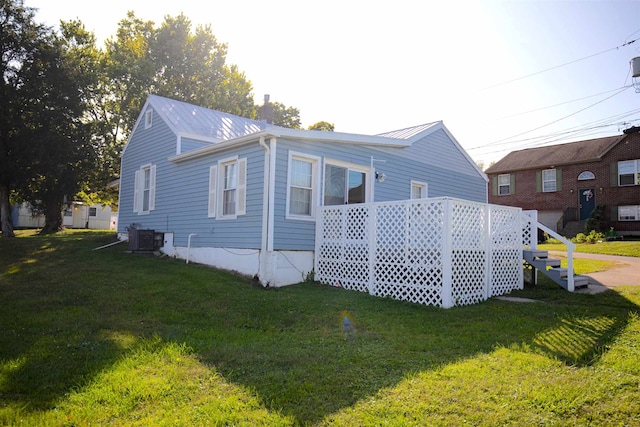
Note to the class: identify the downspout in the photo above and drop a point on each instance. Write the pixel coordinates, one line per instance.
(264, 273)
(189, 246)
(272, 192)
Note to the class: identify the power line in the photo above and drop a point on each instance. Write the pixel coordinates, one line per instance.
(555, 121)
(561, 135)
(560, 66)
(559, 104)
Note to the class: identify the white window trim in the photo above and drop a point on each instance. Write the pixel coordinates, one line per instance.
(148, 118)
(502, 185)
(554, 180)
(354, 167)
(216, 188)
(315, 185)
(138, 189)
(423, 185)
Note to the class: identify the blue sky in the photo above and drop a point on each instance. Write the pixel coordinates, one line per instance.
(501, 75)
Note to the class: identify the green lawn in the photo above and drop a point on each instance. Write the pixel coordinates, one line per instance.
(109, 338)
(616, 247)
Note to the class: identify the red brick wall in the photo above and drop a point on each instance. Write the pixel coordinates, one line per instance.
(567, 197)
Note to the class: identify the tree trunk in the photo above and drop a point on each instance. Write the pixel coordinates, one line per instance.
(52, 218)
(5, 212)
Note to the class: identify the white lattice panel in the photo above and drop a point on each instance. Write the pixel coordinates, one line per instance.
(468, 257)
(399, 250)
(506, 253)
(408, 260)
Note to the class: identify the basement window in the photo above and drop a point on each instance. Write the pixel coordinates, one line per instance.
(629, 213)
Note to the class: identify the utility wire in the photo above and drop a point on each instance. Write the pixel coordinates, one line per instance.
(559, 104)
(559, 66)
(555, 121)
(534, 141)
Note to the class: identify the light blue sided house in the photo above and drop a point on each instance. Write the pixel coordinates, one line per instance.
(242, 195)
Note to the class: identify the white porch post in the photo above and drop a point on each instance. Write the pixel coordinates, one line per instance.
(372, 247)
(447, 248)
(488, 249)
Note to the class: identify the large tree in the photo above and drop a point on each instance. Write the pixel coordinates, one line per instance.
(66, 107)
(54, 132)
(168, 60)
(288, 117)
(324, 126)
(19, 38)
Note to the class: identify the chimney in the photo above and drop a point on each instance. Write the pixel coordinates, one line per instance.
(265, 113)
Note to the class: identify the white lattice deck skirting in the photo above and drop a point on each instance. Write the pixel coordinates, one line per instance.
(439, 251)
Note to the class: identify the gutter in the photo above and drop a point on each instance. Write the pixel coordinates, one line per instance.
(279, 132)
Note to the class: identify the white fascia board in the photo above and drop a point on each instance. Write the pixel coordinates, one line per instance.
(199, 152)
(138, 121)
(278, 132)
(342, 137)
(464, 152)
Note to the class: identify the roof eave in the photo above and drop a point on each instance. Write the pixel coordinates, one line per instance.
(543, 166)
(278, 132)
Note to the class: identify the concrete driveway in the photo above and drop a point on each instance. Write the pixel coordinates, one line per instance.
(625, 272)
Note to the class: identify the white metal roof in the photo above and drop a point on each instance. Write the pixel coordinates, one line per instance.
(194, 120)
(410, 132)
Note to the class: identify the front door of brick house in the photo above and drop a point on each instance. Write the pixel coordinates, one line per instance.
(587, 203)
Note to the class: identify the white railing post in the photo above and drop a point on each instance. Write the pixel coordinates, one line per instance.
(320, 226)
(488, 248)
(447, 255)
(570, 283)
(372, 247)
(570, 248)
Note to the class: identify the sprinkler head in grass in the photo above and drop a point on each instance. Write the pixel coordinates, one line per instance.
(348, 326)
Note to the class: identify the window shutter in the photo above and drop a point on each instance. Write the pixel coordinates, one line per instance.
(152, 187)
(512, 183)
(136, 185)
(614, 213)
(558, 179)
(213, 174)
(242, 187)
(538, 181)
(494, 185)
(614, 174)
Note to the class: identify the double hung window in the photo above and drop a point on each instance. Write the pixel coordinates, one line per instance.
(549, 180)
(227, 188)
(144, 192)
(504, 184)
(629, 172)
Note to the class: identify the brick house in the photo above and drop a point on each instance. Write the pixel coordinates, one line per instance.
(566, 182)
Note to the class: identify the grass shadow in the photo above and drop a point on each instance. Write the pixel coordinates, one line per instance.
(64, 306)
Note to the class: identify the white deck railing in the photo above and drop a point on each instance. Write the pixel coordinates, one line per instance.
(530, 228)
(439, 251)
